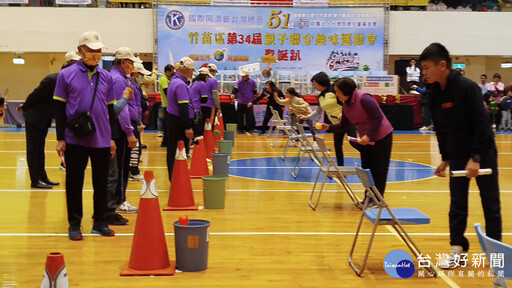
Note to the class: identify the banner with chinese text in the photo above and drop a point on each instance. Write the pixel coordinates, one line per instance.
(301, 39)
(13, 1)
(73, 2)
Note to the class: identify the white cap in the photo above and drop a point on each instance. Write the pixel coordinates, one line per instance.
(244, 72)
(204, 70)
(212, 66)
(71, 56)
(126, 53)
(139, 68)
(91, 39)
(186, 62)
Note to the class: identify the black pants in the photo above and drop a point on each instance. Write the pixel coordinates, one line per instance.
(153, 116)
(198, 125)
(135, 152)
(76, 162)
(175, 133)
(206, 113)
(112, 186)
(426, 117)
(268, 116)
(164, 124)
(123, 167)
(244, 112)
(338, 138)
(35, 138)
(376, 158)
(489, 195)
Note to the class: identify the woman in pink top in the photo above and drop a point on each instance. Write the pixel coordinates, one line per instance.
(495, 90)
(375, 131)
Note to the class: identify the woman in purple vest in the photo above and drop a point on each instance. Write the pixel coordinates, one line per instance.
(375, 131)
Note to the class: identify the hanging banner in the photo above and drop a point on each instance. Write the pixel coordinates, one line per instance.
(300, 39)
(73, 2)
(13, 1)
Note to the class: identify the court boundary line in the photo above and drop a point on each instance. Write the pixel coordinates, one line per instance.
(255, 190)
(432, 234)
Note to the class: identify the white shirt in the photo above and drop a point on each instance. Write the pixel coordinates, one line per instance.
(413, 73)
(484, 87)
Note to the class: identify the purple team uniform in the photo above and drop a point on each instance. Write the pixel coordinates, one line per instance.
(177, 93)
(120, 82)
(78, 97)
(198, 90)
(245, 91)
(211, 85)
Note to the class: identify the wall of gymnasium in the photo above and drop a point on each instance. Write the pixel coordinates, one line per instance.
(474, 37)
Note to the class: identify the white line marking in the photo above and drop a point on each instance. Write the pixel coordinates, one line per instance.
(260, 190)
(247, 233)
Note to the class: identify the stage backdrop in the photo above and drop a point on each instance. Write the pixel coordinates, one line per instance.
(302, 39)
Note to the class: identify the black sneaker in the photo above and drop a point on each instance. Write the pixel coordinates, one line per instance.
(103, 230)
(74, 233)
(117, 219)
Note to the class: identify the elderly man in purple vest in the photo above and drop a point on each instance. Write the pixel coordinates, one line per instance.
(86, 87)
(181, 112)
(244, 91)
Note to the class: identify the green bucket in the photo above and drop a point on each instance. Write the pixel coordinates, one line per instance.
(214, 192)
(225, 146)
(231, 126)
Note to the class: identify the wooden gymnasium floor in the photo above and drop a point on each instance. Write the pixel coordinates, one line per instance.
(267, 236)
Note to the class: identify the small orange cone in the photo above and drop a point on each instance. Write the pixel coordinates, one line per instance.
(219, 125)
(208, 139)
(198, 165)
(180, 195)
(149, 254)
(55, 274)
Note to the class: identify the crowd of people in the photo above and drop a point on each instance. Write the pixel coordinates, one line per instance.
(497, 98)
(112, 104)
(467, 5)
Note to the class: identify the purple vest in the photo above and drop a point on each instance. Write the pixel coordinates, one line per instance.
(354, 112)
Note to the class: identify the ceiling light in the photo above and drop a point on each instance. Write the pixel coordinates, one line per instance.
(18, 60)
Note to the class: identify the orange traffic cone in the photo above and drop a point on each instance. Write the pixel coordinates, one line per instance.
(180, 195)
(208, 139)
(149, 254)
(219, 125)
(55, 274)
(198, 166)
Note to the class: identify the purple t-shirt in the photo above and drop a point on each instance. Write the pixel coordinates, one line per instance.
(198, 90)
(120, 82)
(178, 93)
(245, 88)
(211, 85)
(134, 103)
(75, 88)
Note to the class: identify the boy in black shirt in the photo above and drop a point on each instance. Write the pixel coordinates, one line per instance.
(466, 142)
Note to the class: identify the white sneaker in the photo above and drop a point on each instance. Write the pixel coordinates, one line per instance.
(137, 177)
(125, 207)
(424, 128)
(456, 258)
(159, 134)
